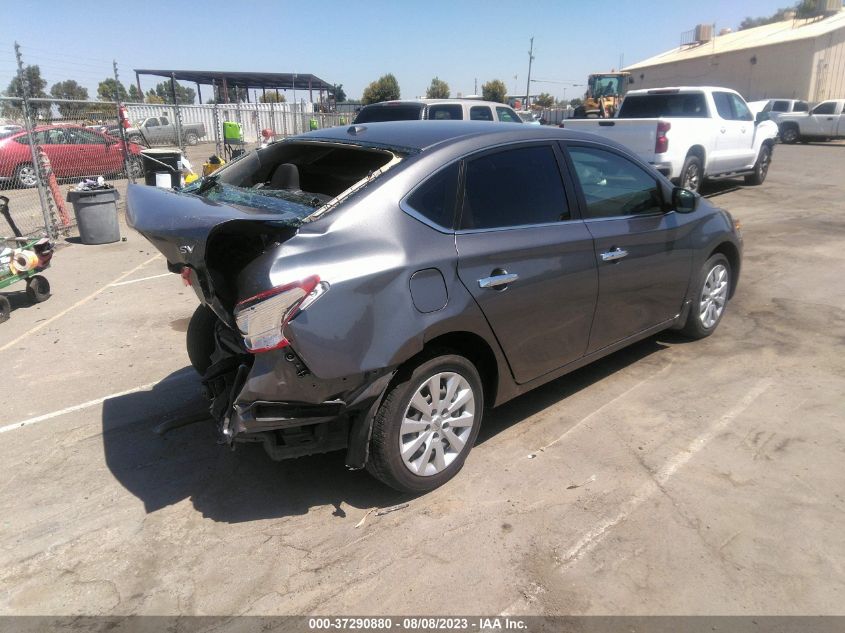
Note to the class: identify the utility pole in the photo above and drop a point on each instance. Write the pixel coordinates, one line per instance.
(475, 90)
(528, 83)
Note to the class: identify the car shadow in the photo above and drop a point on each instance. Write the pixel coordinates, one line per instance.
(244, 484)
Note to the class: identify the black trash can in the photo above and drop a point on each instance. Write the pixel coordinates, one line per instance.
(96, 215)
(162, 168)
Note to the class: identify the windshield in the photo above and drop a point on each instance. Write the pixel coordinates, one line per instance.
(401, 112)
(605, 85)
(690, 105)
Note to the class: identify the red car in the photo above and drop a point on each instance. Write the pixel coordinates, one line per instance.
(73, 150)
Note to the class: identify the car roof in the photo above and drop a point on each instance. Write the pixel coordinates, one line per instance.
(397, 102)
(418, 136)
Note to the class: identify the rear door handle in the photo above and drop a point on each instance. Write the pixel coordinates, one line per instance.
(722, 130)
(498, 281)
(614, 254)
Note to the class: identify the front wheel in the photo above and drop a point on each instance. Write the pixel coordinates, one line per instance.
(708, 306)
(761, 167)
(691, 174)
(789, 134)
(427, 424)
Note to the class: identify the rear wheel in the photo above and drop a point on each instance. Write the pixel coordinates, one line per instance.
(134, 168)
(137, 139)
(191, 138)
(691, 174)
(5, 309)
(761, 167)
(37, 289)
(200, 338)
(708, 306)
(427, 424)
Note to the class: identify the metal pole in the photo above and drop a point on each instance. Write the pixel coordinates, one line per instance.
(216, 114)
(138, 85)
(176, 110)
(129, 176)
(39, 181)
(528, 84)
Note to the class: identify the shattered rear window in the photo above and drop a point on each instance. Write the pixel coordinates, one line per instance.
(289, 206)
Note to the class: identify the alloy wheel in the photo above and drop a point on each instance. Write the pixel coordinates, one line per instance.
(437, 423)
(692, 177)
(714, 295)
(27, 176)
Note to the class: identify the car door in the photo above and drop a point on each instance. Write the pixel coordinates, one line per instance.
(824, 120)
(642, 252)
(154, 131)
(734, 133)
(525, 258)
(95, 154)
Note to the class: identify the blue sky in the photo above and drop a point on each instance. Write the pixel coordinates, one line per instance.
(354, 42)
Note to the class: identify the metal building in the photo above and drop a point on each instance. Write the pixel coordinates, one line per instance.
(793, 59)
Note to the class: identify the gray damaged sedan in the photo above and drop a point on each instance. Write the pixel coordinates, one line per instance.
(374, 288)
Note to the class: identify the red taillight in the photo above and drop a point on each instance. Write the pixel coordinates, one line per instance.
(661, 144)
(262, 319)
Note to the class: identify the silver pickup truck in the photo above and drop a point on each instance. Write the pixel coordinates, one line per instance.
(158, 130)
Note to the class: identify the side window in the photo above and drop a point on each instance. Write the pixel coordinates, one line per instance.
(446, 111)
(828, 107)
(741, 111)
(780, 106)
(506, 115)
(53, 137)
(77, 136)
(435, 198)
(164, 120)
(512, 188)
(480, 113)
(723, 105)
(151, 123)
(613, 185)
(800, 106)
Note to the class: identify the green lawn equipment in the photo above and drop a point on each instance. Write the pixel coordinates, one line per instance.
(21, 259)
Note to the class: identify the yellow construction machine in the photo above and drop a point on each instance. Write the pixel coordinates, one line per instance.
(604, 94)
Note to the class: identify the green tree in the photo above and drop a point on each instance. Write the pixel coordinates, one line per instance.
(107, 88)
(36, 90)
(577, 101)
(68, 89)
(272, 97)
(544, 100)
(803, 9)
(438, 89)
(339, 93)
(152, 97)
(133, 95)
(385, 88)
(494, 90)
(183, 93)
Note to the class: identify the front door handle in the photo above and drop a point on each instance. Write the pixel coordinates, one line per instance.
(614, 254)
(722, 130)
(498, 281)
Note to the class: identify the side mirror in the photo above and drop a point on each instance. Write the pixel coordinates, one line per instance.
(684, 200)
(761, 116)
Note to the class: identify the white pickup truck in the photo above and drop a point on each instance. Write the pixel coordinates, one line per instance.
(690, 134)
(825, 121)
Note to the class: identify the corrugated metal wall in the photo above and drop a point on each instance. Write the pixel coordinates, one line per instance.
(829, 67)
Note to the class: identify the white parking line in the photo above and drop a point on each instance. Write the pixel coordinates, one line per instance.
(84, 405)
(134, 281)
(44, 324)
(591, 539)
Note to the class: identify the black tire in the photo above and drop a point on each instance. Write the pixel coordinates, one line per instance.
(695, 327)
(137, 139)
(200, 338)
(692, 174)
(789, 134)
(5, 309)
(385, 462)
(761, 167)
(37, 289)
(26, 176)
(191, 138)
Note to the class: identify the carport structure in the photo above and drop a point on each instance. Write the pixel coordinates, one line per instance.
(229, 85)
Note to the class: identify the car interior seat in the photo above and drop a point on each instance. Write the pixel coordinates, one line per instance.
(286, 177)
